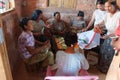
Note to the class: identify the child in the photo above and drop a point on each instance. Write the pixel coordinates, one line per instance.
(69, 62)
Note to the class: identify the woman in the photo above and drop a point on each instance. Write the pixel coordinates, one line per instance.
(57, 26)
(38, 23)
(69, 61)
(92, 39)
(78, 24)
(98, 15)
(114, 70)
(26, 42)
(110, 21)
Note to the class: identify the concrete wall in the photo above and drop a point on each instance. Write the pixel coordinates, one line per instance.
(11, 31)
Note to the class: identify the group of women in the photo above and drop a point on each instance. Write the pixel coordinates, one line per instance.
(106, 16)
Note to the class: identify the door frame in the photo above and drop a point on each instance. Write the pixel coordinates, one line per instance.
(5, 71)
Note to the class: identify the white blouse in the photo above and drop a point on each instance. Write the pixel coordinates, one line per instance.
(111, 22)
(70, 64)
(99, 16)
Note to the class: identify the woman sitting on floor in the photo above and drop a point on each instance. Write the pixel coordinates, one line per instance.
(57, 26)
(26, 42)
(78, 24)
(69, 61)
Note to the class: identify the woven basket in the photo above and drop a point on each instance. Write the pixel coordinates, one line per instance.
(92, 58)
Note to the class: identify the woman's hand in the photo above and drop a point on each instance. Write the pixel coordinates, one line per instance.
(47, 44)
(74, 27)
(49, 26)
(85, 29)
(98, 29)
(115, 42)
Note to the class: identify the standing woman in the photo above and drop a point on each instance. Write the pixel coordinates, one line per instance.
(110, 21)
(98, 15)
(114, 70)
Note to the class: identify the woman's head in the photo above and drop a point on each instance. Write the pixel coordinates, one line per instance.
(111, 6)
(57, 15)
(70, 38)
(37, 14)
(43, 38)
(80, 15)
(100, 5)
(26, 24)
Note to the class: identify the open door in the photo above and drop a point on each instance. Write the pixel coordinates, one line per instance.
(5, 72)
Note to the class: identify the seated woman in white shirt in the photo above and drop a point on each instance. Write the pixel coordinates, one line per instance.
(70, 62)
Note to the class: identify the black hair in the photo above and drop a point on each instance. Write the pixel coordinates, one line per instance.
(42, 38)
(100, 2)
(81, 14)
(56, 13)
(23, 22)
(36, 14)
(70, 38)
(114, 4)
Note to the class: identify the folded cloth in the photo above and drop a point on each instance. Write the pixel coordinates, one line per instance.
(88, 39)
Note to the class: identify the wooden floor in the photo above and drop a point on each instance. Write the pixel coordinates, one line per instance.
(94, 71)
(20, 73)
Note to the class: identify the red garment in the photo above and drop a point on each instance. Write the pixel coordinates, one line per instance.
(117, 32)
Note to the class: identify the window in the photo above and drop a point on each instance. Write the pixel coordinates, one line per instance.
(6, 5)
(63, 3)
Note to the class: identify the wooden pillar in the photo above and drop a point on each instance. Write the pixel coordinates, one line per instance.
(5, 72)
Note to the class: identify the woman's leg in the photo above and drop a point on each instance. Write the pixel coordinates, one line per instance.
(37, 58)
